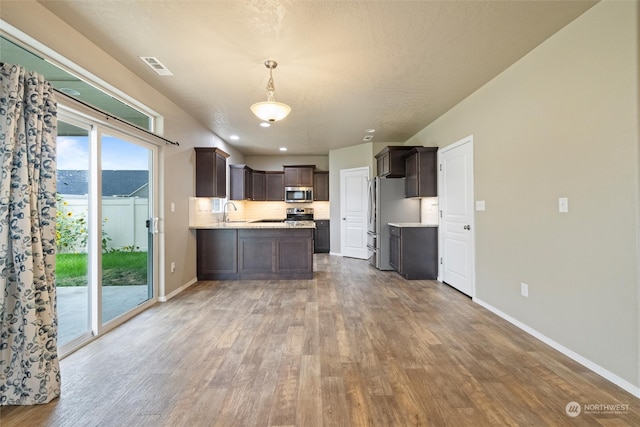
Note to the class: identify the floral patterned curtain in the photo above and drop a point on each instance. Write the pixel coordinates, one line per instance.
(29, 368)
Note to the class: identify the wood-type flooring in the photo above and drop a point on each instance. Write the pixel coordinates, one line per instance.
(352, 347)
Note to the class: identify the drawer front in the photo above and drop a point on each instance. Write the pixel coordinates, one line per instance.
(394, 231)
(322, 223)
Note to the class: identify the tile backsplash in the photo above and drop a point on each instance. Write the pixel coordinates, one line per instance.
(278, 210)
(200, 210)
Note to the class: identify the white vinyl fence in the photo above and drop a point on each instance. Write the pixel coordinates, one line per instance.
(124, 219)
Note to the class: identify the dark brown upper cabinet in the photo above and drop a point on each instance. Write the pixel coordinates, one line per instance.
(241, 182)
(298, 176)
(390, 161)
(258, 182)
(274, 182)
(421, 179)
(321, 186)
(211, 172)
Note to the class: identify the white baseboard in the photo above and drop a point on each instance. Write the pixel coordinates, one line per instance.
(620, 382)
(177, 291)
(335, 253)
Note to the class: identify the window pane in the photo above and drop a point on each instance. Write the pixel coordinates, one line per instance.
(125, 236)
(72, 232)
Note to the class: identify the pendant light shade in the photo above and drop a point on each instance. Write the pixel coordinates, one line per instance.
(270, 110)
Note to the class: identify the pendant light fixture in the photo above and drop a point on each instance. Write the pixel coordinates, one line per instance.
(270, 110)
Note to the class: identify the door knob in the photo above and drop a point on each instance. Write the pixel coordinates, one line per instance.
(467, 227)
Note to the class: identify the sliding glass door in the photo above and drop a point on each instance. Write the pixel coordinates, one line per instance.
(105, 264)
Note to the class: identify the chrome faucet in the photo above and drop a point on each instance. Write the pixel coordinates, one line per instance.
(225, 214)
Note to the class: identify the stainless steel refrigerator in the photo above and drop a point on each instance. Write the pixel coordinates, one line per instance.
(387, 204)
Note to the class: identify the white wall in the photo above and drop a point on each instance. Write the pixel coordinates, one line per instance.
(563, 121)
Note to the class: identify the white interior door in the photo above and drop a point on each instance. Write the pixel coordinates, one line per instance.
(455, 177)
(353, 212)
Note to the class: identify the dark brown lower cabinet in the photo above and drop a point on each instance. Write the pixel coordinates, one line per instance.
(217, 254)
(322, 237)
(263, 254)
(394, 248)
(413, 252)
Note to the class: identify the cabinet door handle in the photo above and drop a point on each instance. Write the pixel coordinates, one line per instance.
(467, 227)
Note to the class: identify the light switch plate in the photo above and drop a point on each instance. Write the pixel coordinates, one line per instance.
(480, 206)
(563, 205)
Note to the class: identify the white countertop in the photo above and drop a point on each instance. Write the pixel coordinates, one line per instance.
(251, 225)
(411, 224)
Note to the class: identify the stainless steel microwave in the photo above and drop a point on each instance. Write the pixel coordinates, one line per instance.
(298, 194)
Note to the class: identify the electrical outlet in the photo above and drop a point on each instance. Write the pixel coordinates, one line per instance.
(524, 290)
(173, 267)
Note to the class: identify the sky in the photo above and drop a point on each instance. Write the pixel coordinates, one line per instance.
(73, 154)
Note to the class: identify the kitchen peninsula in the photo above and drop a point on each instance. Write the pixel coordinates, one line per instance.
(254, 250)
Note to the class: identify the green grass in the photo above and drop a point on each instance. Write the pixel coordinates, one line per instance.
(71, 265)
(118, 268)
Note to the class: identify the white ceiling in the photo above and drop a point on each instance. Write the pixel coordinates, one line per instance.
(344, 66)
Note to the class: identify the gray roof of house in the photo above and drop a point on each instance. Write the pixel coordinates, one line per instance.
(114, 183)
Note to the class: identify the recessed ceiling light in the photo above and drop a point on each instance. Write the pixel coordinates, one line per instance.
(283, 148)
(370, 130)
(234, 137)
(265, 125)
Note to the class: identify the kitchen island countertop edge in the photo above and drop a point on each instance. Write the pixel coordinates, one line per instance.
(411, 224)
(249, 225)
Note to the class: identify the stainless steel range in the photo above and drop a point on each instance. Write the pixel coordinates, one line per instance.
(300, 216)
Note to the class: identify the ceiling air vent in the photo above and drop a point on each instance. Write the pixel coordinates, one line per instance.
(156, 65)
(367, 138)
